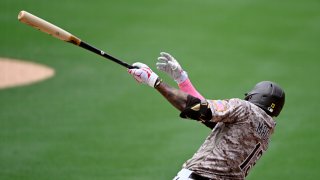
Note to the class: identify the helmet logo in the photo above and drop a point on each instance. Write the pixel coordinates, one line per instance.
(271, 107)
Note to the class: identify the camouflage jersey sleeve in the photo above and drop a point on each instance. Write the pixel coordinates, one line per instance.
(227, 111)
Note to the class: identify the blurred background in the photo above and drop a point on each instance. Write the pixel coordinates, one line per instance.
(93, 121)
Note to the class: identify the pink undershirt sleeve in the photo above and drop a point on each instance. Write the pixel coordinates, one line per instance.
(187, 87)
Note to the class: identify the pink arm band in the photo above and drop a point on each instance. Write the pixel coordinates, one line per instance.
(187, 87)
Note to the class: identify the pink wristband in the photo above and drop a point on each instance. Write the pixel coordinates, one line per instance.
(187, 87)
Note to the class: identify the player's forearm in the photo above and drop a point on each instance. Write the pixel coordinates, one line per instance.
(187, 87)
(175, 96)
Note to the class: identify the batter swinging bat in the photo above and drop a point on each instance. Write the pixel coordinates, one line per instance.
(63, 35)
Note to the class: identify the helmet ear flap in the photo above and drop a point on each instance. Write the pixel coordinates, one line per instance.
(247, 96)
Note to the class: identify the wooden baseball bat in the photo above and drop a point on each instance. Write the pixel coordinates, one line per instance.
(63, 35)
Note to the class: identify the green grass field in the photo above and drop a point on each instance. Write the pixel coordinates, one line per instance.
(93, 121)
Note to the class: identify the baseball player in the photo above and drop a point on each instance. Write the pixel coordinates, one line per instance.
(241, 129)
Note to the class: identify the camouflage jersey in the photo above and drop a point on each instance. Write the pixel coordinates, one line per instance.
(238, 140)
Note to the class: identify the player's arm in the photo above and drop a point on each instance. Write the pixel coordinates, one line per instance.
(145, 75)
(175, 96)
(189, 106)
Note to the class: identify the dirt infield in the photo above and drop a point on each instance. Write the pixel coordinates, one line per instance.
(18, 72)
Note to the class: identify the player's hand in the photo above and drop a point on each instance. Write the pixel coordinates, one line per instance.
(170, 65)
(144, 74)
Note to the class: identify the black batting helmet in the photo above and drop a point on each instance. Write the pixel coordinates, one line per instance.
(267, 95)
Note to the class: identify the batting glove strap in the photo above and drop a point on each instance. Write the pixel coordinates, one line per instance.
(183, 76)
(157, 83)
(153, 79)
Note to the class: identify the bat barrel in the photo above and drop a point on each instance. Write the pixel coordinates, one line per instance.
(47, 27)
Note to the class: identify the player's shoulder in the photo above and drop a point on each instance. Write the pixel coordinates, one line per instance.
(250, 110)
(241, 103)
(222, 105)
(236, 102)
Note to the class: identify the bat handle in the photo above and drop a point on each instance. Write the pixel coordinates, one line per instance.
(132, 67)
(105, 55)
